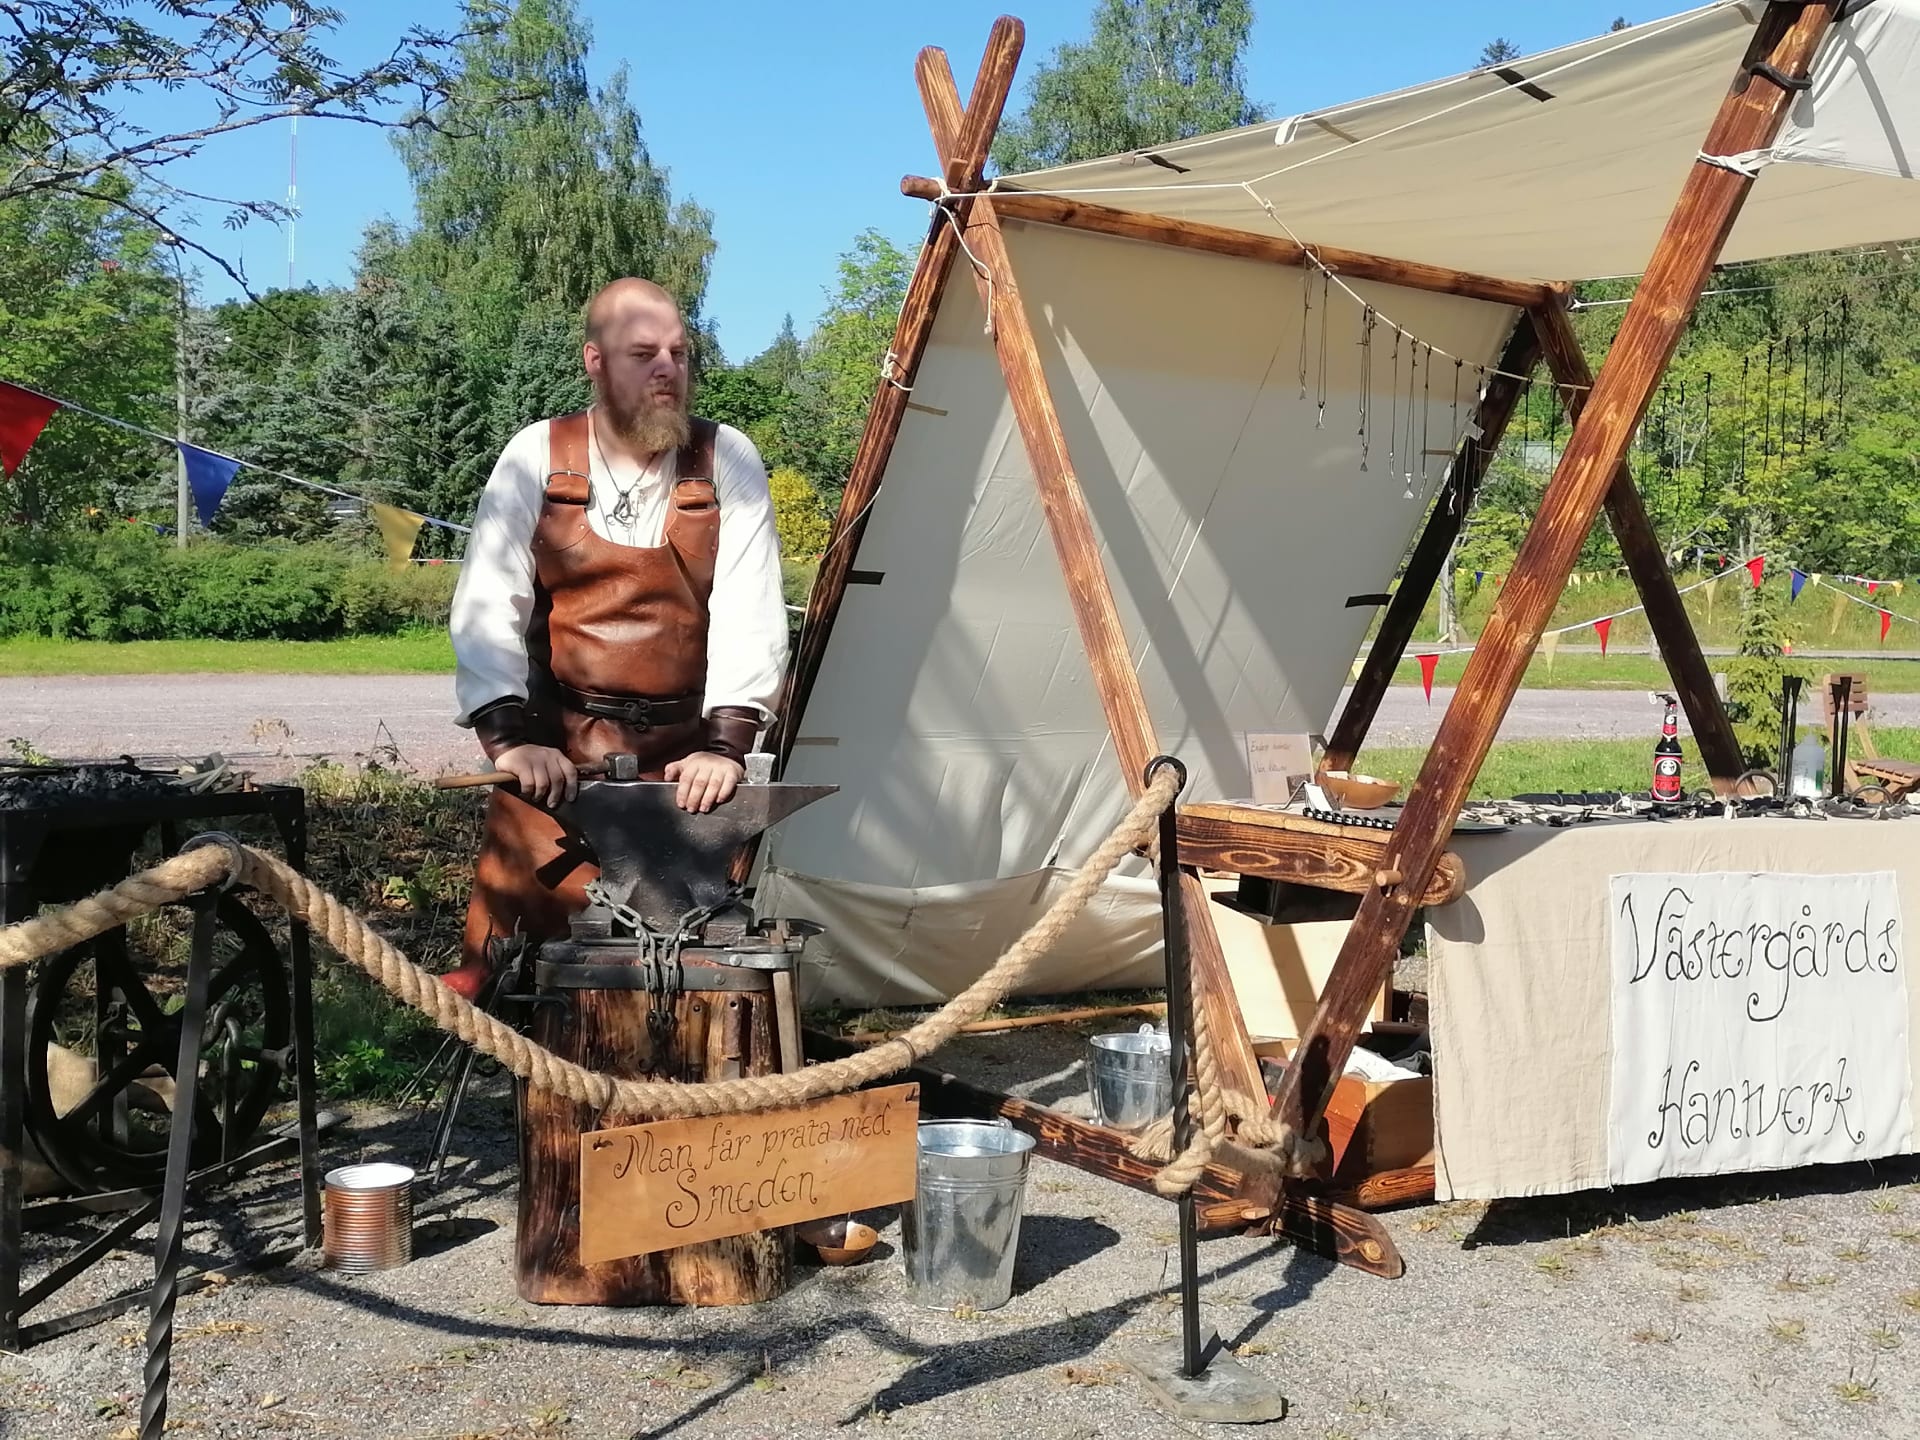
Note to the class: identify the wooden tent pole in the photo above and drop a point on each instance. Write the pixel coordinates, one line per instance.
(1225, 240)
(1071, 527)
(1430, 554)
(1640, 547)
(1749, 119)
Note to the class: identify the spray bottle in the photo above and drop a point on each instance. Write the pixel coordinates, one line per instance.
(1667, 789)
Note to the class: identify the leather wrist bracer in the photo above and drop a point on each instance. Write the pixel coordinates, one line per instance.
(731, 730)
(500, 725)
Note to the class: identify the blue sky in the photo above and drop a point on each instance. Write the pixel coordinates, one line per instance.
(793, 123)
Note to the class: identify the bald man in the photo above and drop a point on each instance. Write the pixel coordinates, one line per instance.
(621, 594)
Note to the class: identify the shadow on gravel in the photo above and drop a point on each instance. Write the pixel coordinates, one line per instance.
(1050, 1245)
(1535, 1219)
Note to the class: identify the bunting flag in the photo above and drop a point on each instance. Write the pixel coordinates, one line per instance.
(398, 530)
(1756, 567)
(1872, 585)
(1353, 671)
(1603, 626)
(1886, 624)
(208, 476)
(1839, 609)
(1550, 642)
(1798, 579)
(1786, 647)
(1478, 575)
(1427, 664)
(1707, 588)
(1574, 580)
(23, 415)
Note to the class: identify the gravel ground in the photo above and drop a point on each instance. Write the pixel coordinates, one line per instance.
(275, 724)
(1782, 1307)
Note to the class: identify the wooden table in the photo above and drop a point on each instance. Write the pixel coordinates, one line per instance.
(1278, 845)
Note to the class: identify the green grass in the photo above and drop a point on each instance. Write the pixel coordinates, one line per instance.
(1615, 671)
(1522, 767)
(420, 652)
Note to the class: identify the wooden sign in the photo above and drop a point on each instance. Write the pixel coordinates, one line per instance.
(678, 1182)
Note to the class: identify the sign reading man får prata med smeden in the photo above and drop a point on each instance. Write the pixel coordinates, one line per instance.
(1759, 1022)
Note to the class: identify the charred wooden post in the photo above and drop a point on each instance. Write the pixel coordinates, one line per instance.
(1640, 547)
(1071, 526)
(1750, 118)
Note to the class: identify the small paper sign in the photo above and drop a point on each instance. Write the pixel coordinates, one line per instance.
(670, 1183)
(1280, 765)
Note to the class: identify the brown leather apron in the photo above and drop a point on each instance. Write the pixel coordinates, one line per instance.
(608, 619)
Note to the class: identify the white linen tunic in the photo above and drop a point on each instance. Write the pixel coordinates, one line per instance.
(493, 603)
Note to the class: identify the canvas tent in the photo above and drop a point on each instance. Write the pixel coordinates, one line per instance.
(1212, 406)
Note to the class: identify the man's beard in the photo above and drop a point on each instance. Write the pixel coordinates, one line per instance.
(657, 424)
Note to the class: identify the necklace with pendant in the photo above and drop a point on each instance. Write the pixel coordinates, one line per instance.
(622, 512)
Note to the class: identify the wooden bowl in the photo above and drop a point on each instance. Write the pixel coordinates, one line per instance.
(1357, 792)
(855, 1245)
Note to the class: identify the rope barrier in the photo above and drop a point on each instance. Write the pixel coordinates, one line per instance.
(354, 940)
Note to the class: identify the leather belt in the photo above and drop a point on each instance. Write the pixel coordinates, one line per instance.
(640, 711)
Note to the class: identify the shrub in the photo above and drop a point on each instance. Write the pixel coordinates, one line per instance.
(127, 583)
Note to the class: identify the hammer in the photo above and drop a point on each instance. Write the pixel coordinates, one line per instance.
(612, 767)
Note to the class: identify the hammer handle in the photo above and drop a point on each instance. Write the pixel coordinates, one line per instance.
(498, 777)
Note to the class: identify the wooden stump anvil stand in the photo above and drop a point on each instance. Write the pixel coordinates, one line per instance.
(666, 976)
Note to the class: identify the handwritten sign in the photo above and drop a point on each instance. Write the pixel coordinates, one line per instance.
(1279, 765)
(678, 1182)
(1759, 1022)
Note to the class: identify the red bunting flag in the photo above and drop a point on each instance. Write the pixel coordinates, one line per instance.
(1603, 626)
(1427, 664)
(23, 415)
(1723, 562)
(1786, 647)
(1886, 624)
(1757, 567)
(1872, 585)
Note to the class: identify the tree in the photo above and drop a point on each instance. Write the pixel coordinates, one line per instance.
(1498, 52)
(87, 312)
(68, 67)
(779, 363)
(841, 361)
(533, 190)
(1153, 71)
(798, 515)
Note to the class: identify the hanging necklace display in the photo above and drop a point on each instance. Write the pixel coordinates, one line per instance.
(1745, 361)
(1766, 413)
(1320, 413)
(1677, 453)
(1413, 380)
(1706, 438)
(1805, 381)
(1840, 408)
(1457, 440)
(1786, 372)
(1826, 349)
(1366, 384)
(1426, 415)
(1306, 320)
(1393, 412)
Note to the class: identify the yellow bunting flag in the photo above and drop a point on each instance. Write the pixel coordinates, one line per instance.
(398, 530)
(1708, 589)
(1839, 609)
(1353, 671)
(1550, 646)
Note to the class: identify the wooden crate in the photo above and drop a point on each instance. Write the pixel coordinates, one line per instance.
(1373, 1126)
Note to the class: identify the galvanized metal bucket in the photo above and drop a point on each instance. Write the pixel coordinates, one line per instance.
(1130, 1078)
(961, 1232)
(368, 1212)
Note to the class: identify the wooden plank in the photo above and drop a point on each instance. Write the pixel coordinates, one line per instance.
(1647, 563)
(1387, 1188)
(1450, 510)
(1070, 525)
(1330, 1228)
(1332, 857)
(669, 1183)
(1072, 214)
(1704, 214)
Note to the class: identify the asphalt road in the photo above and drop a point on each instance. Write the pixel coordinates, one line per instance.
(274, 724)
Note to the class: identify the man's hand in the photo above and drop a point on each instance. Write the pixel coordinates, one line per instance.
(545, 774)
(705, 780)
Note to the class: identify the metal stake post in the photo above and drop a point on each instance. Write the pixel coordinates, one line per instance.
(1197, 1382)
(173, 1196)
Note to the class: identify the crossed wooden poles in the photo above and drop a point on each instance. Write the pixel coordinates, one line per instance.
(1592, 474)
